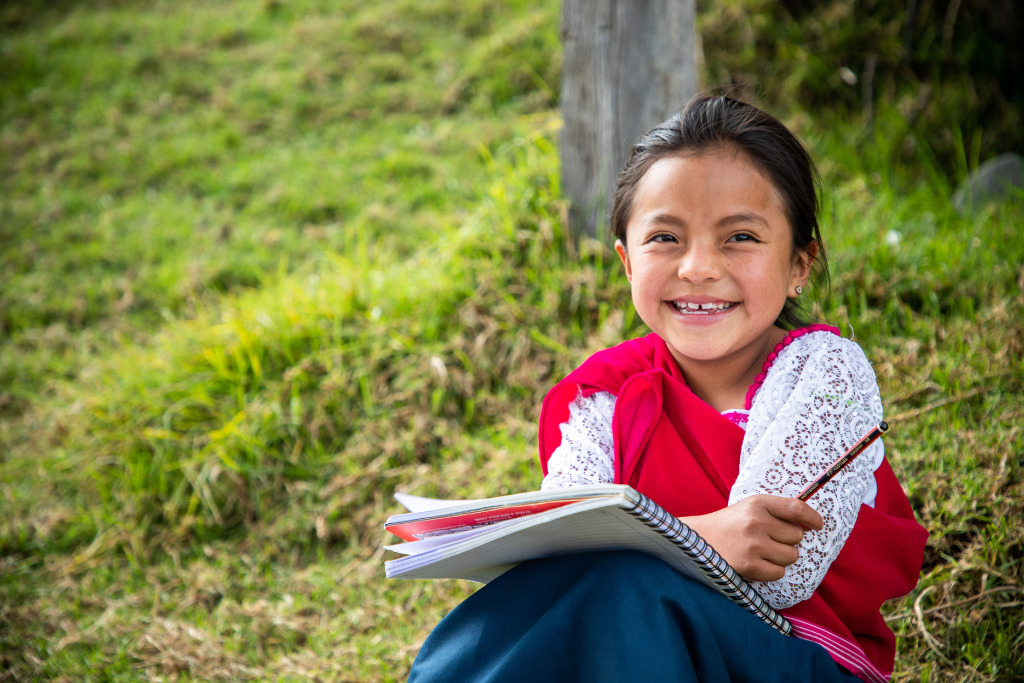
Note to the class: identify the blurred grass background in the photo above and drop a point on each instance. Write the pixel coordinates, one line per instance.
(264, 262)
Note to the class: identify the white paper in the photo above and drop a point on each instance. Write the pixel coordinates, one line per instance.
(422, 504)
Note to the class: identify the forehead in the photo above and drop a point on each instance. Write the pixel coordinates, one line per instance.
(715, 180)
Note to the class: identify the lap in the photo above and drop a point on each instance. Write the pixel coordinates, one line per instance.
(611, 616)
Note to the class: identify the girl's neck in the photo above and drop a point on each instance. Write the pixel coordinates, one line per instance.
(723, 383)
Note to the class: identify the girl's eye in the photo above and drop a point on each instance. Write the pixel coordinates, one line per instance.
(663, 239)
(742, 237)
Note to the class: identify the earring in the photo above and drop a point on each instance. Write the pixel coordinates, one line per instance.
(799, 290)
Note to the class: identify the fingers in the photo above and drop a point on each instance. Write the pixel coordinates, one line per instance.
(792, 510)
(763, 570)
(765, 561)
(781, 531)
(784, 520)
(758, 535)
(773, 527)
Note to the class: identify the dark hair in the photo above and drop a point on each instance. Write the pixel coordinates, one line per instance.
(710, 122)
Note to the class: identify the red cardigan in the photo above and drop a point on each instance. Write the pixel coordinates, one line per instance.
(681, 452)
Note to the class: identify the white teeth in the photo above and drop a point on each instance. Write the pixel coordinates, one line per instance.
(690, 306)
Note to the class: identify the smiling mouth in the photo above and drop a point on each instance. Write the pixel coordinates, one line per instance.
(701, 309)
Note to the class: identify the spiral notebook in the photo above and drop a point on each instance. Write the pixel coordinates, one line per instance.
(480, 540)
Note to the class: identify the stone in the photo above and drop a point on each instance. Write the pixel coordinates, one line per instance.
(991, 181)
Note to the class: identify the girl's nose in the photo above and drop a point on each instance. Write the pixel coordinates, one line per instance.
(699, 263)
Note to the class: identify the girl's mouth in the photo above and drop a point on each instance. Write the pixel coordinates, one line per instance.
(690, 308)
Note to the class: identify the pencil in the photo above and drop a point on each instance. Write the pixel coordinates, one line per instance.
(845, 460)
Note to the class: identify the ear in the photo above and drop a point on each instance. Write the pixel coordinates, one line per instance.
(803, 260)
(620, 249)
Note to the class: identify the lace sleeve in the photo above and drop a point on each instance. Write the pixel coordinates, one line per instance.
(819, 398)
(587, 452)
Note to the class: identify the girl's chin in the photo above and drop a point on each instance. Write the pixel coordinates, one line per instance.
(699, 354)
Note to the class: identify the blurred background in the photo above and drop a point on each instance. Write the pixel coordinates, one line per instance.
(264, 262)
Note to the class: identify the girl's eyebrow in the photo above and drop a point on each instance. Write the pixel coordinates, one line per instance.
(665, 219)
(669, 220)
(747, 217)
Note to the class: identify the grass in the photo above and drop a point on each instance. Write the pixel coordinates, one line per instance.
(173, 161)
(265, 263)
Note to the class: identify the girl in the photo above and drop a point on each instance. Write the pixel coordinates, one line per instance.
(722, 415)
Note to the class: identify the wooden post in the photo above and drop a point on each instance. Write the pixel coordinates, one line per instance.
(629, 64)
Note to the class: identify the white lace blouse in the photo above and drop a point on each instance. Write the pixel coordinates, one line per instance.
(817, 399)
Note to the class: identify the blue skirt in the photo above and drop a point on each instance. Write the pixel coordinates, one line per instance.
(611, 616)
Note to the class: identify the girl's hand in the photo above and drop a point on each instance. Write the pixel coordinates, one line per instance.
(758, 535)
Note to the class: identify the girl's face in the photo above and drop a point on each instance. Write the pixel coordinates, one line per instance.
(709, 256)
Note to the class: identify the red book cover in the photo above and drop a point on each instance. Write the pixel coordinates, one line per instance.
(443, 523)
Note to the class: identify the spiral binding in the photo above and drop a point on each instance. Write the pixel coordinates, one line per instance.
(708, 561)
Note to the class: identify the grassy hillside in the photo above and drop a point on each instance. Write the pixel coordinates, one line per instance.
(263, 263)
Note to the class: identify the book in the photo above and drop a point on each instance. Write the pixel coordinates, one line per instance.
(480, 540)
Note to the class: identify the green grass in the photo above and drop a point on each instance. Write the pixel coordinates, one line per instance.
(159, 154)
(265, 263)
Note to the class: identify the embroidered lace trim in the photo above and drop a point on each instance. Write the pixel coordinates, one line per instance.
(770, 360)
(587, 452)
(817, 400)
(818, 397)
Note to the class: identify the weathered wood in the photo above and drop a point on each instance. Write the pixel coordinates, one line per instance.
(628, 65)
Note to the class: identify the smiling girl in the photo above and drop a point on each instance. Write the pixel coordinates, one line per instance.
(722, 415)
